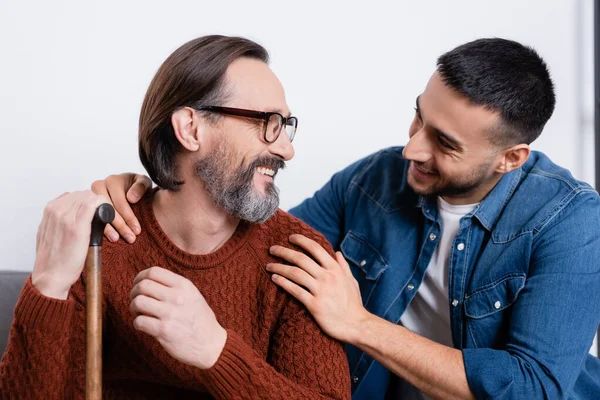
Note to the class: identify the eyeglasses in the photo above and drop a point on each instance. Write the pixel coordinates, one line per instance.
(273, 121)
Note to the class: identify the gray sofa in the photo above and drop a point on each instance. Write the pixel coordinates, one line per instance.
(11, 283)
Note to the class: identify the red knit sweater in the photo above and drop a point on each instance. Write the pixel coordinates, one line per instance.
(274, 348)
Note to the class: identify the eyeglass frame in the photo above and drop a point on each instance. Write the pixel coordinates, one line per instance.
(262, 115)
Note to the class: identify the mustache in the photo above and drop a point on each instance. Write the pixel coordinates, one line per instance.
(424, 167)
(270, 162)
(244, 175)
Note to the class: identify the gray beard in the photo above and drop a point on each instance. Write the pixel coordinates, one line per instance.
(236, 193)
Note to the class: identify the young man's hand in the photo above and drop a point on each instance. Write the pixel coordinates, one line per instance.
(122, 190)
(324, 284)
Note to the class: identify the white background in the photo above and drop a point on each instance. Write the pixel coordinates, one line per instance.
(73, 75)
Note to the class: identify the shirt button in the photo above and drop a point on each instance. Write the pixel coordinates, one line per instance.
(454, 303)
(497, 305)
(460, 246)
(432, 236)
(410, 286)
(354, 379)
(363, 263)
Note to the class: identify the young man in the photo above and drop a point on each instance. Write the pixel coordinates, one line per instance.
(189, 310)
(472, 262)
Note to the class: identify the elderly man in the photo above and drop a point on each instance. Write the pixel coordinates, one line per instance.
(189, 310)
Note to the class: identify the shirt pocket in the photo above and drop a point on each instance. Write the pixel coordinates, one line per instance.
(364, 256)
(366, 263)
(488, 310)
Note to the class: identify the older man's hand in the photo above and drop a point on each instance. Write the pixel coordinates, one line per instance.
(324, 284)
(63, 239)
(170, 308)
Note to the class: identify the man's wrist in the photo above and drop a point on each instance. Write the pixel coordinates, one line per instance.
(50, 287)
(360, 329)
(217, 349)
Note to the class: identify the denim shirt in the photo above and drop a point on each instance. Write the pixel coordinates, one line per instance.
(523, 273)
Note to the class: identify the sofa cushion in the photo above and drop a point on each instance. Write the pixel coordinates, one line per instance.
(11, 284)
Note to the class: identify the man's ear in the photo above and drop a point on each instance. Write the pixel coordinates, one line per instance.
(513, 158)
(188, 127)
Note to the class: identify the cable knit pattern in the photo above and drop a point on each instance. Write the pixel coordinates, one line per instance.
(274, 348)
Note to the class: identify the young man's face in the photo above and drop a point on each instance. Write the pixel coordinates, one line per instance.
(239, 168)
(449, 147)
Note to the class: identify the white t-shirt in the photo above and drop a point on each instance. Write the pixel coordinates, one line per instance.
(428, 314)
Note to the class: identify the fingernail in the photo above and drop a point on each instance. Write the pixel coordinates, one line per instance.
(113, 236)
(268, 267)
(136, 229)
(129, 238)
(134, 196)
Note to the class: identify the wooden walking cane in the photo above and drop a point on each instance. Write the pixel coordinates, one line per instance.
(93, 303)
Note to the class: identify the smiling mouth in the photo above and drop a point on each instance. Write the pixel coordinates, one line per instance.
(266, 171)
(424, 170)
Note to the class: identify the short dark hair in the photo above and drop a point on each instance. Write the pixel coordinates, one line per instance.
(506, 77)
(194, 75)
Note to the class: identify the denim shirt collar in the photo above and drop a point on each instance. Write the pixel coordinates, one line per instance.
(488, 211)
(492, 205)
